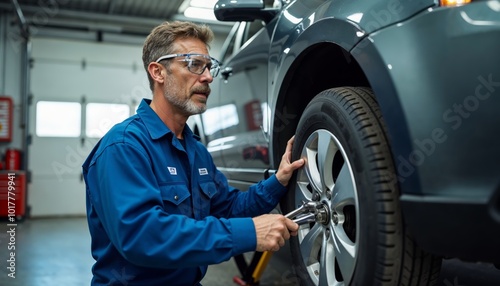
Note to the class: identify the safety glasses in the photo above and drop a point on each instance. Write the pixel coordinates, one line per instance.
(196, 63)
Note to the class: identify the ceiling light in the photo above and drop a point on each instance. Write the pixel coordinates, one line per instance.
(200, 13)
(203, 3)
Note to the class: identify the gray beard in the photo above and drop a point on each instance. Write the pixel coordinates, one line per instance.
(185, 105)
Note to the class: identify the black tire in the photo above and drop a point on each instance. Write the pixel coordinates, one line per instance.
(363, 241)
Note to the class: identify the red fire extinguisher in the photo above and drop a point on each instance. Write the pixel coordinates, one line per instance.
(12, 159)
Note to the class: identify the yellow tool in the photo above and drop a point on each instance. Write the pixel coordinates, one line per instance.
(306, 213)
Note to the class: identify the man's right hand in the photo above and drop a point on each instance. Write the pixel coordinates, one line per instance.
(272, 231)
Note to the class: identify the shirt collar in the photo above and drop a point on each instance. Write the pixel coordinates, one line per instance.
(153, 123)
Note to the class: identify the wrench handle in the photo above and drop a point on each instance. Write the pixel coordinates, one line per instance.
(296, 212)
(305, 219)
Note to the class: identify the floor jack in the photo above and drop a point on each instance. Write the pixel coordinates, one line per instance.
(250, 273)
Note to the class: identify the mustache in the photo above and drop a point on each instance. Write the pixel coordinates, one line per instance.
(201, 89)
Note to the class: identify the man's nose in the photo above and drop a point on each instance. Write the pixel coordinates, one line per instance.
(206, 76)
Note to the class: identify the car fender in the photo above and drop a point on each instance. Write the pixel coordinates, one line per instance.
(347, 22)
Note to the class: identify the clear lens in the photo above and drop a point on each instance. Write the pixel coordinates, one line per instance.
(195, 65)
(198, 63)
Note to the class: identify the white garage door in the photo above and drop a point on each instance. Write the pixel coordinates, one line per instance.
(80, 89)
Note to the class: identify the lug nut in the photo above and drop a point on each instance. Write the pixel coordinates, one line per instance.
(315, 196)
(335, 218)
(329, 194)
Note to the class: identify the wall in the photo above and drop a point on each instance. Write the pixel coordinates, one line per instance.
(10, 76)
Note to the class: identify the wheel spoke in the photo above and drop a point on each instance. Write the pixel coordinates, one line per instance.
(344, 190)
(327, 148)
(345, 253)
(319, 151)
(327, 266)
(311, 168)
(309, 246)
(302, 193)
(345, 249)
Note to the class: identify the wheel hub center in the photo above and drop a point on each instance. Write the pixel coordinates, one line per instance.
(323, 214)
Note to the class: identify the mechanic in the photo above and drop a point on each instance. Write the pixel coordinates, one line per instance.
(158, 209)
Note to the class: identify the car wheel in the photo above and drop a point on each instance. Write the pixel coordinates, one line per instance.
(358, 236)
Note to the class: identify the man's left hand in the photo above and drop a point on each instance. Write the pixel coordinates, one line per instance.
(286, 168)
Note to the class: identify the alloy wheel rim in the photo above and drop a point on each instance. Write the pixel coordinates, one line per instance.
(329, 248)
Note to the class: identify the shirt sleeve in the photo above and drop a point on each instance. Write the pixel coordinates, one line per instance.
(260, 198)
(124, 193)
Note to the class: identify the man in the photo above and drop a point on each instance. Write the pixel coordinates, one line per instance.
(158, 209)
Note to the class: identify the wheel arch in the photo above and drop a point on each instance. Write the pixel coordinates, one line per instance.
(305, 78)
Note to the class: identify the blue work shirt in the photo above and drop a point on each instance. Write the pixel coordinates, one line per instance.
(152, 221)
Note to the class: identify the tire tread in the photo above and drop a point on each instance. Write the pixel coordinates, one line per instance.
(418, 267)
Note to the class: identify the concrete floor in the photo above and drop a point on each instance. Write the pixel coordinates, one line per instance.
(56, 251)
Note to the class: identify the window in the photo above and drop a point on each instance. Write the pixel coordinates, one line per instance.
(229, 45)
(100, 117)
(58, 119)
(252, 29)
(220, 117)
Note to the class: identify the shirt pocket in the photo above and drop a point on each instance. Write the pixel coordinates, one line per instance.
(208, 191)
(176, 199)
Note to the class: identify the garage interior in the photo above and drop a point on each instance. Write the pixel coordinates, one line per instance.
(64, 65)
(75, 54)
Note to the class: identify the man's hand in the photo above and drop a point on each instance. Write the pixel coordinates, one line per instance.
(285, 170)
(272, 231)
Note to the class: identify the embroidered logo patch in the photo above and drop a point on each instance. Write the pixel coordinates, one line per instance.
(172, 170)
(203, 171)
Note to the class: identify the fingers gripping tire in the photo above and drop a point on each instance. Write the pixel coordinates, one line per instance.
(359, 238)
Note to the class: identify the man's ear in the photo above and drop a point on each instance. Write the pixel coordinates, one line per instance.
(157, 72)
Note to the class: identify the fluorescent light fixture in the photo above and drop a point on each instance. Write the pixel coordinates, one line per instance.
(203, 3)
(200, 13)
(198, 9)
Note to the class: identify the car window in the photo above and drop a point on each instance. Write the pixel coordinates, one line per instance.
(251, 29)
(230, 43)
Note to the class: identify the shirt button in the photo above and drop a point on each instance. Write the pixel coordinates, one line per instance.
(176, 198)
